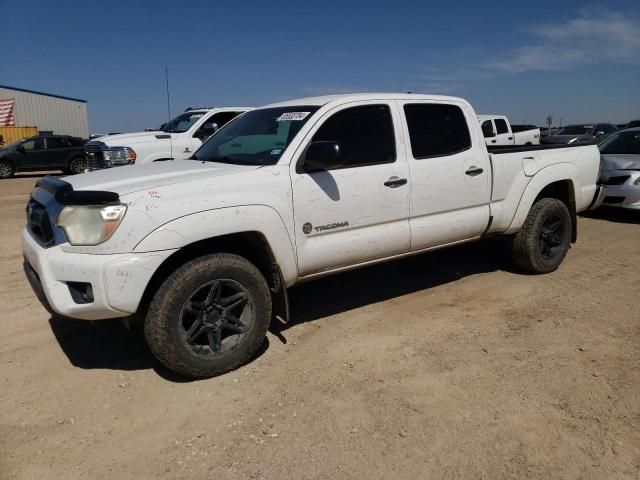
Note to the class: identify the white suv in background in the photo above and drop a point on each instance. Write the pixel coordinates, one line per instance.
(175, 140)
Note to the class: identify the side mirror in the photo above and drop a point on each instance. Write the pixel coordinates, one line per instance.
(206, 130)
(599, 134)
(20, 149)
(323, 156)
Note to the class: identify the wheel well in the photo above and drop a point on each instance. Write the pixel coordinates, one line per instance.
(563, 190)
(250, 245)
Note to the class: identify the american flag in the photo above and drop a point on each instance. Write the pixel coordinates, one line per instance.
(6, 113)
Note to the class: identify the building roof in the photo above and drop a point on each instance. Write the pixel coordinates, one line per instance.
(42, 93)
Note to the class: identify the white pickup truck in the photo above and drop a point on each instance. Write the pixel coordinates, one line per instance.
(175, 140)
(203, 250)
(498, 132)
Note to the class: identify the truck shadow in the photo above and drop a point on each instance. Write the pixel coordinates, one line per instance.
(347, 291)
(616, 215)
(107, 344)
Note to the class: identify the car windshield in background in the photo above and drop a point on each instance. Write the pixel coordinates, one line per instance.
(181, 123)
(258, 137)
(622, 143)
(576, 130)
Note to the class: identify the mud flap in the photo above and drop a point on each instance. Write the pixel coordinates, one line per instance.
(279, 296)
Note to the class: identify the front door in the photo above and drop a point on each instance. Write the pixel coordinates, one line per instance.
(503, 133)
(32, 154)
(358, 212)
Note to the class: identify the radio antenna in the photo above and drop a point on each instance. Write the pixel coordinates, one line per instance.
(166, 77)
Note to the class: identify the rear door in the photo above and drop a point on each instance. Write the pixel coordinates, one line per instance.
(359, 212)
(450, 173)
(57, 150)
(503, 132)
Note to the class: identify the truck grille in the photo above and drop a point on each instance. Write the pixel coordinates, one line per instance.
(95, 157)
(39, 223)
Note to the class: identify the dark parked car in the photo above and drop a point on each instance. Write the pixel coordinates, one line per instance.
(592, 133)
(50, 152)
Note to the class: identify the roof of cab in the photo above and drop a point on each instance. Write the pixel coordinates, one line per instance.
(354, 97)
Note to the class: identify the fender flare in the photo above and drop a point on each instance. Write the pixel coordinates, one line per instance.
(544, 177)
(208, 224)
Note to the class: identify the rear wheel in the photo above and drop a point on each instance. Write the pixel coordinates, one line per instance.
(210, 316)
(6, 169)
(543, 241)
(77, 166)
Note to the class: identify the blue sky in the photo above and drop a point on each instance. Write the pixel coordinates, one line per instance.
(578, 61)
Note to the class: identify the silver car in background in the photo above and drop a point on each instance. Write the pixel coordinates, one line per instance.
(592, 133)
(620, 160)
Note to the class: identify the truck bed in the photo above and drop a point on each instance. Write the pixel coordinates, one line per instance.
(499, 149)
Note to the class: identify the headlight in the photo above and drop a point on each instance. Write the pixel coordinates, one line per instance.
(120, 156)
(90, 224)
(637, 182)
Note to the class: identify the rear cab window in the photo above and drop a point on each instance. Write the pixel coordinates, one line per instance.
(436, 129)
(501, 126)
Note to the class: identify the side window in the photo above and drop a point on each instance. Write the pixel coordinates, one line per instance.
(436, 129)
(56, 142)
(501, 126)
(213, 123)
(365, 135)
(35, 144)
(487, 129)
(606, 128)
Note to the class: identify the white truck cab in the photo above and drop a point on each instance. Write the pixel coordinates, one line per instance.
(498, 132)
(202, 251)
(175, 140)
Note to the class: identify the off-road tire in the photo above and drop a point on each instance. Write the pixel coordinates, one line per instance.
(7, 170)
(164, 331)
(526, 250)
(77, 166)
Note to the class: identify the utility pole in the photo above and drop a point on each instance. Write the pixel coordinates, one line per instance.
(549, 123)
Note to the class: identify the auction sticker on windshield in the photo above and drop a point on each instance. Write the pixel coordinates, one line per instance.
(292, 116)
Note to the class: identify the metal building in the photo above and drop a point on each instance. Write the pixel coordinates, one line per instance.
(47, 112)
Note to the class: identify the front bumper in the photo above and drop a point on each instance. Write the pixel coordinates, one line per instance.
(626, 195)
(117, 281)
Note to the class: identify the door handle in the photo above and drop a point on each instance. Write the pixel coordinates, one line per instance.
(473, 171)
(493, 141)
(395, 182)
(510, 138)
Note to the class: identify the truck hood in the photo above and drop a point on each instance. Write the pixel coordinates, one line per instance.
(129, 139)
(620, 162)
(124, 180)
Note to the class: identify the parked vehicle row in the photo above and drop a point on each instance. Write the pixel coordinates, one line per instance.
(581, 134)
(203, 250)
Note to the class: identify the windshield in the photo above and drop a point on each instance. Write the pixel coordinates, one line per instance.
(576, 130)
(258, 137)
(181, 123)
(622, 143)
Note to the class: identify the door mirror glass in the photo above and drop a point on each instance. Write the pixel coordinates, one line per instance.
(323, 156)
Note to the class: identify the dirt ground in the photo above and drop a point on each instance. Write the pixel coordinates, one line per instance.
(446, 365)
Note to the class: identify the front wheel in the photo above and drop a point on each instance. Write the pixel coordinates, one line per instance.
(543, 241)
(210, 316)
